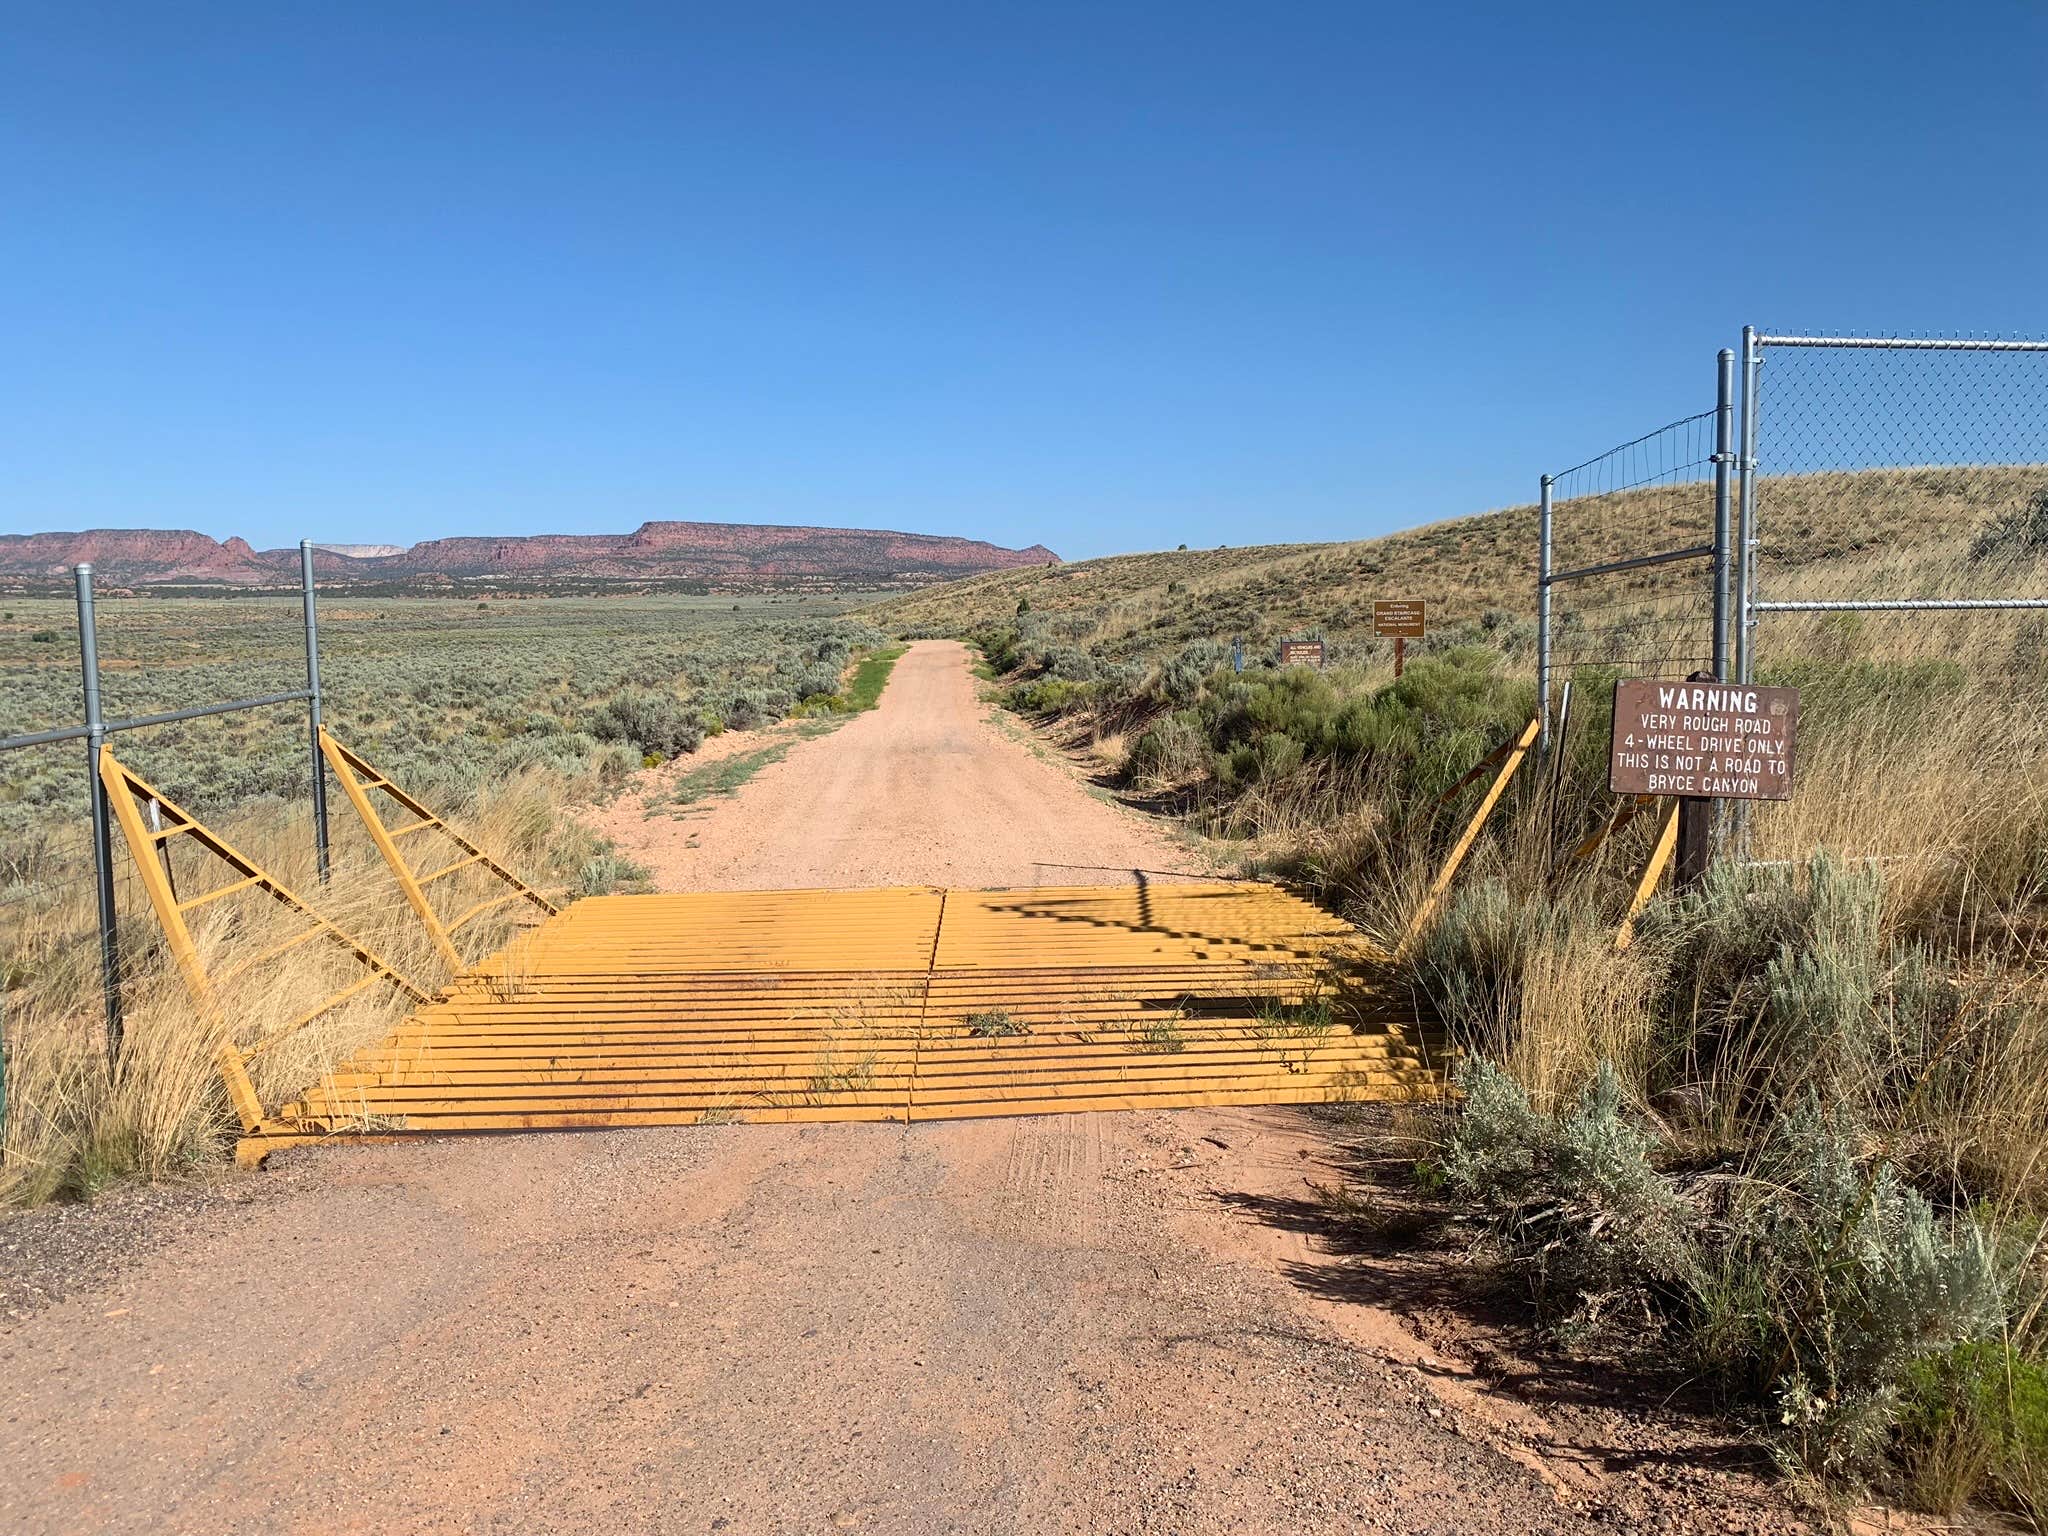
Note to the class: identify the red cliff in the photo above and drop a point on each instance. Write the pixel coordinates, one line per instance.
(739, 553)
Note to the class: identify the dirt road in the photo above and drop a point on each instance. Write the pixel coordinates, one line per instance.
(1066, 1324)
(924, 789)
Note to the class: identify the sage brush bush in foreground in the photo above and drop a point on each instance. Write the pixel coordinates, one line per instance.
(1813, 1282)
(1784, 1179)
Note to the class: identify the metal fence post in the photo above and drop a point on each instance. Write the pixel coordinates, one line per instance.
(102, 831)
(313, 709)
(1745, 554)
(1543, 618)
(1745, 558)
(1724, 453)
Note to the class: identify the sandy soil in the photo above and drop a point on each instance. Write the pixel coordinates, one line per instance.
(1105, 1323)
(924, 789)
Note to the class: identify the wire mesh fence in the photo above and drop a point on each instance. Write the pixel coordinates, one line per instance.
(1632, 540)
(1634, 561)
(1895, 569)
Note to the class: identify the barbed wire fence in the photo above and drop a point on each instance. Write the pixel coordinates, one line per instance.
(1894, 516)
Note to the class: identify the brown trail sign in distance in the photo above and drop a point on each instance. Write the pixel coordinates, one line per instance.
(1400, 622)
(1700, 739)
(1301, 653)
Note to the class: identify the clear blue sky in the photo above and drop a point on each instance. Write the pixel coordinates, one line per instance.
(1107, 276)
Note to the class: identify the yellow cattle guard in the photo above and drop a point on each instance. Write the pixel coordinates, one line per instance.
(902, 1004)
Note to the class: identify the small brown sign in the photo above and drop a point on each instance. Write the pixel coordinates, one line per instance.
(1301, 653)
(1702, 739)
(1399, 621)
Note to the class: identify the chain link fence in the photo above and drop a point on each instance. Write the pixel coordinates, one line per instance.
(1895, 569)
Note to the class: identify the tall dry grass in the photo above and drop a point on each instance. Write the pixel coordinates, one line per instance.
(72, 1124)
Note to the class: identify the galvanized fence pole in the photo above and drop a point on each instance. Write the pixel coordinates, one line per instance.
(313, 709)
(1724, 455)
(1745, 552)
(1706, 829)
(102, 830)
(1543, 618)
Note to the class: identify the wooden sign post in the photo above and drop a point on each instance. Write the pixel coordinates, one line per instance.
(1400, 622)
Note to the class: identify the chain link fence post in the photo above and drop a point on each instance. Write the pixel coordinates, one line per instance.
(1745, 558)
(102, 830)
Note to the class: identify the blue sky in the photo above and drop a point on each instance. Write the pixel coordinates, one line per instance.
(1106, 276)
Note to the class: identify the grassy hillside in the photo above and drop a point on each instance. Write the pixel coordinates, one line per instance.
(1145, 606)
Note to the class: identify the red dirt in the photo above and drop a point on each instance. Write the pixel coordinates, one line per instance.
(1100, 1323)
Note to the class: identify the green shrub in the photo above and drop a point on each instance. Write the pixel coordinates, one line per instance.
(1973, 1419)
(1000, 648)
(653, 721)
(1049, 696)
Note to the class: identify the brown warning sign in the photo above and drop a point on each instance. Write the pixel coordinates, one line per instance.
(1702, 739)
(1399, 621)
(1301, 653)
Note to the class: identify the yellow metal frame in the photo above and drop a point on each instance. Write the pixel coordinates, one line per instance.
(1625, 811)
(1472, 776)
(124, 788)
(1660, 857)
(347, 765)
(1516, 753)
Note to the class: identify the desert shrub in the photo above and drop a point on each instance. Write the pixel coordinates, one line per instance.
(2018, 533)
(1172, 749)
(743, 710)
(1860, 1279)
(1975, 1420)
(1049, 696)
(1181, 679)
(1785, 982)
(816, 682)
(651, 720)
(1812, 1285)
(1577, 1192)
(1071, 664)
(608, 872)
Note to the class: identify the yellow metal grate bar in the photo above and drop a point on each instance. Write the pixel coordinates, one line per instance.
(902, 1004)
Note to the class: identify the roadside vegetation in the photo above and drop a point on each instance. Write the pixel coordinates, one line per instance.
(1791, 1141)
(819, 714)
(500, 716)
